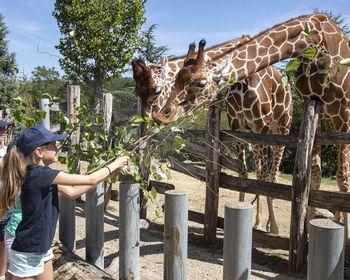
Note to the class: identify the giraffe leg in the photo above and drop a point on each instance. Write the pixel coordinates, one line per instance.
(315, 176)
(271, 225)
(244, 170)
(257, 150)
(343, 173)
(277, 154)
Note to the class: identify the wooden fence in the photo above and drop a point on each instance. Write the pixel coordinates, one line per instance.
(299, 193)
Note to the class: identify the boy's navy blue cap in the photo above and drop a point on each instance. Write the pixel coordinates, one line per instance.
(4, 123)
(36, 136)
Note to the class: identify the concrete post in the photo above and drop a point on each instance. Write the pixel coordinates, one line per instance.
(94, 214)
(175, 235)
(326, 250)
(44, 106)
(238, 241)
(129, 241)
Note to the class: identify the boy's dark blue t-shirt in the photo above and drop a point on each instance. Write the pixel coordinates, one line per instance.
(39, 199)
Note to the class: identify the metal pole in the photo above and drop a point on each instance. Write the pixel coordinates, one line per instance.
(44, 106)
(175, 235)
(94, 214)
(326, 250)
(238, 240)
(129, 241)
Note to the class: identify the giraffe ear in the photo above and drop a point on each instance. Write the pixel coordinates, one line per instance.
(164, 68)
(222, 68)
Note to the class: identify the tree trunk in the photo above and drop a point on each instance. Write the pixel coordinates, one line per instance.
(68, 266)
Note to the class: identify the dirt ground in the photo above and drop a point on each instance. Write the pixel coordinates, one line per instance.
(204, 261)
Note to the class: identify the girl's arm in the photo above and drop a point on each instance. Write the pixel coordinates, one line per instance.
(93, 179)
(72, 192)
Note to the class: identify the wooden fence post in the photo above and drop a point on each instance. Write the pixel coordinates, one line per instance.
(142, 132)
(301, 186)
(212, 172)
(94, 206)
(67, 206)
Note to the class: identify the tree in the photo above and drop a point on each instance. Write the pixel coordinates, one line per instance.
(8, 69)
(47, 81)
(98, 37)
(123, 91)
(148, 48)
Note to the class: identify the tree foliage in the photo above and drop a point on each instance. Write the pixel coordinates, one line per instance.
(47, 81)
(8, 68)
(148, 48)
(98, 37)
(123, 91)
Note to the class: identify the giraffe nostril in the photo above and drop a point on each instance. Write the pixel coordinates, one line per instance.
(166, 111)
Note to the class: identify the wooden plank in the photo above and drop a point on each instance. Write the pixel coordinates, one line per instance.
(273, 241)
(301, 187)
(212, 173)
(55, 106)
(330, 138)
(188, 169)
(161, 187)
(334, 201)
(246, 185)
(68, 266)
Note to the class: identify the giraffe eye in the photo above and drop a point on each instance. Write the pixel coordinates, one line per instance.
(158, 90)
(183, 103)
(201, 83)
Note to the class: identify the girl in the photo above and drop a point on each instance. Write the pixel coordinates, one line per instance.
(26, 173)
(4, 128)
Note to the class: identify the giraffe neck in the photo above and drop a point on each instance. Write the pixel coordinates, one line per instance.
(284, 41)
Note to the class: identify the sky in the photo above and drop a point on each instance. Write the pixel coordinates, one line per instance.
(33, 32)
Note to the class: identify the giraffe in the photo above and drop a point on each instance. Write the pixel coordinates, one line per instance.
(294, 38)
(153, 82)
(274, 112)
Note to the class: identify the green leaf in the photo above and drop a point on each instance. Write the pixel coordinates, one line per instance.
(179, 143)
(153, 193)
(309, 53)
(62, 159)
(292, 65)
(137, 120)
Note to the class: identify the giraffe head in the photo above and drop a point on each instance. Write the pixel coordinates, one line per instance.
(149, 84)
(153, 83)
(196, 84)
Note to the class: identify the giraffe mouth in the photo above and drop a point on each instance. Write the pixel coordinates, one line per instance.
(161, 118)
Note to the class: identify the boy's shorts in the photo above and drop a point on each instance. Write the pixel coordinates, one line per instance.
(28, 264)
(3, 224)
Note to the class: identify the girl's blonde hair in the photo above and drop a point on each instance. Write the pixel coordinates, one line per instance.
(12, 177)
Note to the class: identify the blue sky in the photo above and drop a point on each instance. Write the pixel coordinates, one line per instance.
(180, 22)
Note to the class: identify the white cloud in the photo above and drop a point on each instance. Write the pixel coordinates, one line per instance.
(23, 26)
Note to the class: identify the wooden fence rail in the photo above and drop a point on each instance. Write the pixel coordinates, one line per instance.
(335, 201)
